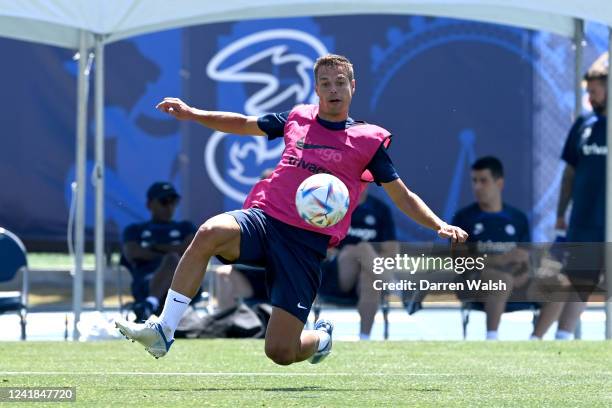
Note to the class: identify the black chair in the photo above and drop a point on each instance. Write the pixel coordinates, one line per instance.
(13, 259)
(330, 294)
(467, 307)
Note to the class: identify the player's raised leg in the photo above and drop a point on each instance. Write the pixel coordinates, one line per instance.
(287, 342)
(219, 235)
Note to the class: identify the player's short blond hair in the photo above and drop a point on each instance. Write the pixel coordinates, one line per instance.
(599, 69)
(333, 60)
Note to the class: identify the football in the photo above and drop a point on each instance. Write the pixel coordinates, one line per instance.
(322, 200)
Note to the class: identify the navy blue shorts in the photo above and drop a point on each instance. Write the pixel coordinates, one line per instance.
(291, 256)
(585, 259)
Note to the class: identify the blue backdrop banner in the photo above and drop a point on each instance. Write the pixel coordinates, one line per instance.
(448, 90)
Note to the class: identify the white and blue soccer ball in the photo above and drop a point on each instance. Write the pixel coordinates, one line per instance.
(322, 200)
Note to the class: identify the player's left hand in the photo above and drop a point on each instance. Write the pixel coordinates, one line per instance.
(455, 234)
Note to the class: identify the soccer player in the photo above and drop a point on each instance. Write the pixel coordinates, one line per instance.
(268, 230)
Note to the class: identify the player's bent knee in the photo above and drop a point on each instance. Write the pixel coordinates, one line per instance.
(281, 355)
(208, 238)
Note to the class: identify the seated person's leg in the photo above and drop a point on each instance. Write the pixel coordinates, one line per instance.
(140, 291)
(550, 292)
(230, 286)
(585, 264)
(355, 268)
(495, 301)
(348, 268)
(549, 313)
(161, 279)
(568, 319)
(150, 287)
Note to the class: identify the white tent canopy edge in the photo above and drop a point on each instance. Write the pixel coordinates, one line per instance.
(58, 22)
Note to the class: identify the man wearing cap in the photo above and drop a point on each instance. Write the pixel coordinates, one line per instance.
(152, 249)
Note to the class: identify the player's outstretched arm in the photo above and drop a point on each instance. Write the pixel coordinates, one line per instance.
(227, 122)
(412, 205)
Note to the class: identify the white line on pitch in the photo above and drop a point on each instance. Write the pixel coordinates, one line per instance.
(98, 373)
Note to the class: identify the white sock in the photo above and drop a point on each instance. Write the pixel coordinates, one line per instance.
(534, 337)
(491, 334)
(174, 308)
(323, 339)
(364, 336)
(563, 335)
(153, 301)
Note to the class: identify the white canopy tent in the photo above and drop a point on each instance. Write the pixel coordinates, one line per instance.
(88, 25)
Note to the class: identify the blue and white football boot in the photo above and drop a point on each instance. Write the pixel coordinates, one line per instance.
(328, 327)
(150, 334)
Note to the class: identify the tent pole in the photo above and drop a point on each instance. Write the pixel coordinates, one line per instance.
(579, 57)
(578, 60)
(98, 175)
(608, 200)
(81, 150)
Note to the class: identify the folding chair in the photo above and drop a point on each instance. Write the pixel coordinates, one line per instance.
(13, 259)
(467, 307)
(330, 294)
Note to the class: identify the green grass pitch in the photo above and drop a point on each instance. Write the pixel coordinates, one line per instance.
(236, 373)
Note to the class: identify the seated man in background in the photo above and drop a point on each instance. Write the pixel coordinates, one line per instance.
(152, 249)
(497, 229)
(371, 223)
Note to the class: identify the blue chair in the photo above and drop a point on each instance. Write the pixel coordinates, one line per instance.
(13, 259)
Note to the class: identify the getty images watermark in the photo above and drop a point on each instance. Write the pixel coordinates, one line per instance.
(403, 263)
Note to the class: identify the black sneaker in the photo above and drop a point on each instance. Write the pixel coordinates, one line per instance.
(143, 310)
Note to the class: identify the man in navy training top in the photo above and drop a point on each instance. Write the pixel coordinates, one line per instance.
(152, 249)
(584, 185)
(495, 227)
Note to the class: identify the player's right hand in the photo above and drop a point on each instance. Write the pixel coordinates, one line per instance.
(455, 234)
(176, 108)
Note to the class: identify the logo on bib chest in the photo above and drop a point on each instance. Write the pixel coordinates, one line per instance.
(306, 165)
(327, 153)
(300, 144)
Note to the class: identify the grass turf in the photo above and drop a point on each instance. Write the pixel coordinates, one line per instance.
(237, 373)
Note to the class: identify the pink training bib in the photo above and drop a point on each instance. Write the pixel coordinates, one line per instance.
(311, 148)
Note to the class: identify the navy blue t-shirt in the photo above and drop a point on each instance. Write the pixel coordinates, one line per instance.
(381, 167)
(371, 222)
(586, 150)
(151, 233)
(492, 229)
